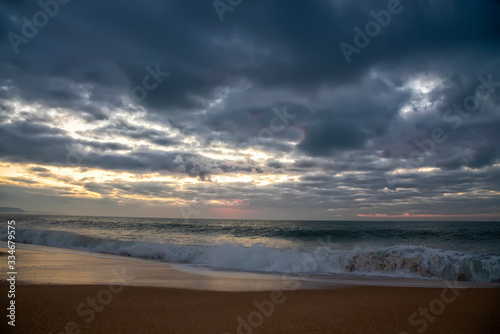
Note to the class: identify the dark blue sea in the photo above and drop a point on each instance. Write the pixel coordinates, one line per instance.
(467, 251)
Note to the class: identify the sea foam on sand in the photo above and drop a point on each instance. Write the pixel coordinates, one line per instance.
(51, 265)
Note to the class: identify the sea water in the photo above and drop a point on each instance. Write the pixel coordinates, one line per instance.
(466, 251)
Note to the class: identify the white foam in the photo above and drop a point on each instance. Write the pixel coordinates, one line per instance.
(406, 261)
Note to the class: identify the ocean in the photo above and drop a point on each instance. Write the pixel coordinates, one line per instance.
(465, 251)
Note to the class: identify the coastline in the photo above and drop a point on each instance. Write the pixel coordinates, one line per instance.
(51, 265)
(67, 291)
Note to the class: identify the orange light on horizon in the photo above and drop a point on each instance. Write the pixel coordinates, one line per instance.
(407, 215)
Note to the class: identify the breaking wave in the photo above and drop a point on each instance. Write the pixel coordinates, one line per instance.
(408, 261)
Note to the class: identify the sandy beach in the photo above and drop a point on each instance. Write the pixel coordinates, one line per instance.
(71, 292)
(244, 167)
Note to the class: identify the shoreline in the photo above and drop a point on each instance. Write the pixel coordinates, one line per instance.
(51, 265)
(65, 291)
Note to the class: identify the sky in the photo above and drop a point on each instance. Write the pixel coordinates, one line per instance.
(238, 109)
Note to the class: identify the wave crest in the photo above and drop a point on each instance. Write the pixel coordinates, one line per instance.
(395, 261)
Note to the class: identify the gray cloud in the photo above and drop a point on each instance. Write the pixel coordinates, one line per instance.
(351, 125)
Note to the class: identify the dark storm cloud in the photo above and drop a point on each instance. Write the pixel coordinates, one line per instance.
(137, 188)
(275, 164)
(24, 141)
(227, 79)
(39, 170)
(28, 142)
(305, 164)
(284, 49)
(22, 180)
(37, 143)
(479, 157)
(124, 129)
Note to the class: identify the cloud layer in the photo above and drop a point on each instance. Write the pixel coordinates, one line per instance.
(162, 105)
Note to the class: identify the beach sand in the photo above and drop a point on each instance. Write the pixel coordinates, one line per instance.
(89, 294)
